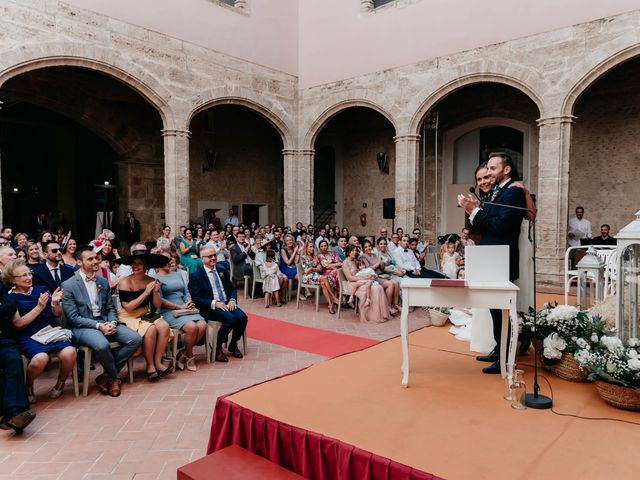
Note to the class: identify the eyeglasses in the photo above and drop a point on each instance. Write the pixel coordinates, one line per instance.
(24, 275)
(213, 255)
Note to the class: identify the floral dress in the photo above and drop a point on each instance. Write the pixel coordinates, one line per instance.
(312, 278)
(330, 273)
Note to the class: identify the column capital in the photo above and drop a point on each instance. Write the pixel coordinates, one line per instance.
(173, 132)
(406, 138)
(556, 120)
(293, 151)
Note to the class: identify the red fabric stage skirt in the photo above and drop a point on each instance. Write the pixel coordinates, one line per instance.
(309, 454)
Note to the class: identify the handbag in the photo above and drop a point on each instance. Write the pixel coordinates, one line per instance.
(150, 317)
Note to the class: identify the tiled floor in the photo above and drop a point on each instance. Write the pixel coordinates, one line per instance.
(152, 429)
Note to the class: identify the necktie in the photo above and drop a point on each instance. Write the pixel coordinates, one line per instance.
(56, 275)
(218, 285)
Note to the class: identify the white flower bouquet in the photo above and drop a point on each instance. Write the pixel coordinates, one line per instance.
(612, 361)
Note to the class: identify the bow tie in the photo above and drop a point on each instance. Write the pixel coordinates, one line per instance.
(406, 250)
(90, 279)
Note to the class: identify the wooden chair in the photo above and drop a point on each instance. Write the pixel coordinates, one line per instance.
(308, 286)
(344, 291)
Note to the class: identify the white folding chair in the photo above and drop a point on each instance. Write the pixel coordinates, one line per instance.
(308, 286)
(344, 291)
(87, 366)
(212, 339)
(257, 278)
(177, 333)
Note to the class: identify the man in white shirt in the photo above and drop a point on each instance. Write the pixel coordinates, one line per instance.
(407, 260)
(393, 245)
(321, 236)
(579, 228)
(232, 219)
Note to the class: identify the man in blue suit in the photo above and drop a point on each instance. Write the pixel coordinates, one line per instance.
(91, 315)
(216, 298)
(498, 225)
(53, 271)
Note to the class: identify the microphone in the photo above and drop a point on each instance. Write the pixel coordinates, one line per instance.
(473, 191)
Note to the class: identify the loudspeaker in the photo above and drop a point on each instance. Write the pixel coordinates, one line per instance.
(388, 208)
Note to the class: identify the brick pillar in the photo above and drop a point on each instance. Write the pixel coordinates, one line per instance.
(406, 180)
(298, 186)
(176, 177)
(553, 197)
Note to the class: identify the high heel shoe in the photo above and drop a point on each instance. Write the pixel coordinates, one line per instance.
(181, 360)
(191, 364)
(56, 391)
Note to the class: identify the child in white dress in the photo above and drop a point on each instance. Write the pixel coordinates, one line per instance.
(450, 261)
(271, 282)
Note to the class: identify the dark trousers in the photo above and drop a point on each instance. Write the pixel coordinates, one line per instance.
(426, 273)
(233, 321)
(496, 316)
(13, 393)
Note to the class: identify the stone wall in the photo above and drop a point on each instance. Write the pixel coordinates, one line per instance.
(605, 150)
(248, 165)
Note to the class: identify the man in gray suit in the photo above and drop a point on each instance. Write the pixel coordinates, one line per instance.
(90, 312)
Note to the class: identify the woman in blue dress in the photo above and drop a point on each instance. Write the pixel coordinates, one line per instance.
(37, 309)
(175, 296)
(289, 257)
(189, 250)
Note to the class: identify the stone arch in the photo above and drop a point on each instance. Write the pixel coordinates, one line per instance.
(252, 104)
(595, 74)
(335, 109)
(459, 83)
(92, 57)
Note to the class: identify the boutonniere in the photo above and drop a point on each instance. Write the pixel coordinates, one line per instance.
(494, 192)
(99, 287)
(221, 275)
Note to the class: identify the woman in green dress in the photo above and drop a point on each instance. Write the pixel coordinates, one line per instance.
(189, 251)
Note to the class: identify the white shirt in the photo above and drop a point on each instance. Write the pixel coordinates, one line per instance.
(92, 291)
(51, 270)
(318, 240)
(406, 259)
(216, 298)
(584, 226)
(391, 247)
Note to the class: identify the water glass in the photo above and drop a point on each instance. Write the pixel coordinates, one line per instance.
(516, 376)
(519, 392)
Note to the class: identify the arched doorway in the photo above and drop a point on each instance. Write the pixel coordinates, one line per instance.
(354, 169)
(605, 149)
(76, 142)
(236, 162)
(457, 134)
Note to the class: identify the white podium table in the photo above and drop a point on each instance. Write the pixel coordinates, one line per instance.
(418, 292)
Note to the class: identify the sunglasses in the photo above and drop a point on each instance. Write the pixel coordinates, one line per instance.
(54, 250)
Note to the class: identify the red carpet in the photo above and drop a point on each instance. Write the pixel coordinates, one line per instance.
(307, 339)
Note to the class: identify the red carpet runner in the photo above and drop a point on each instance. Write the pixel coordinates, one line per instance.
(307, 339)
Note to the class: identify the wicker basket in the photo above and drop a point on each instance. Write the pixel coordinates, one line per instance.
(567, 368)
(619, 396)
(438, 319)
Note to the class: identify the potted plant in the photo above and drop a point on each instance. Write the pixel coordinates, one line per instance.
(615, 367)
(562, 331)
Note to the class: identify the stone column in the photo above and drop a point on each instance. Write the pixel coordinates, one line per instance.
(553, 197)
(406, 180)
(176, 177)
(298, 186)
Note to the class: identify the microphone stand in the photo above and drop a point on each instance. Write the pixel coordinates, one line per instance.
(533, 400)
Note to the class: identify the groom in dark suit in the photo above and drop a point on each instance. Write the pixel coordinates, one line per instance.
(216, 298)
(498, 225)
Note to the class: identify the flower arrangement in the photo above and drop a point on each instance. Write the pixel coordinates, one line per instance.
(444, 310)
(563, 328)
(612, 361)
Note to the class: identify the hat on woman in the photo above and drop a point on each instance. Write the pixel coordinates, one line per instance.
(150, 260)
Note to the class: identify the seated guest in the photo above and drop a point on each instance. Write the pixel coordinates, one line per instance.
(604, 238)
(406, 260)
(394, 243)
(37, 309)
(43, 237)
(14, 403)
(140, 295)
(391, 287)
(68, 254)
(53, 271)
(107, 251)
(421, 245)
(6, 254)
(322, 236)
(387, 263)
(189, 252)
(420, 254)
(21, 240)
(34, 257)
(164, 241)
(176, 240)
(330, 264)
(215, 297)
(90, 313)
(345, 232)
(373, 303)
(464, 241)
(312, 274)
(299, 229)
(353, 240)
(289, 257)
(224, 255)
(333, 240)
(241, 257)
(450, 260)
(302, 240)
(21, 255)
(339, 250)
(175, 296)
